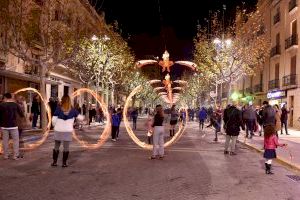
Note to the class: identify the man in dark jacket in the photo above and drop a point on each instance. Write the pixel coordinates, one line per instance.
(268, 114)
(233, 122)
(250, 118)
(284, 118)
(8, 123)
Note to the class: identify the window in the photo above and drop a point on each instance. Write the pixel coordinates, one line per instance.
(293, 65)
(54, 90)
(277, 39)
(294, 27)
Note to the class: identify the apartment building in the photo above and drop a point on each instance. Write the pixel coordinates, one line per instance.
(16, 74)
(278, 80)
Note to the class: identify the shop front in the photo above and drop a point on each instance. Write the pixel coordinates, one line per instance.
(277, 97)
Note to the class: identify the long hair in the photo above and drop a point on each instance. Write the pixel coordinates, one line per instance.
(66, 104)
(269, 130)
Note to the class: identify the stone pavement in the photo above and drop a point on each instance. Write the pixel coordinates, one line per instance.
(194, 168)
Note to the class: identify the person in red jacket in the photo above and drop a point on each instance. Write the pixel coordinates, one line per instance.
(270, 144)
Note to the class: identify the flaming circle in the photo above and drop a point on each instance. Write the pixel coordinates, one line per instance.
(133, 136)
(46, 133)
(106, 132)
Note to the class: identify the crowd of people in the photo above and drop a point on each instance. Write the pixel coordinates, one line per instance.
(267, 120)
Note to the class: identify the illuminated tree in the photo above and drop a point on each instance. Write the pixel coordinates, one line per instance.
(243, 53)
(103, 62)
(44, 34)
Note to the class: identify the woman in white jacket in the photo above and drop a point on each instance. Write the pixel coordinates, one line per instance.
(63, 122)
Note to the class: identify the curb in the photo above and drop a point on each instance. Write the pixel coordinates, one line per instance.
(280, 160)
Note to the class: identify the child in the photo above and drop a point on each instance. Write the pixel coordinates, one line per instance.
(149, 128)
(214, 122)
(270, 144)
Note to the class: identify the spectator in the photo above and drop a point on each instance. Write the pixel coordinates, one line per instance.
(284, 118)
(233, 122)
(8, 123)
(202, 117)
(115, 122)
(250, 119)
(134, 116)
(158, 134)
(63, 121)
(277, 118)
(35, 111)
(173, 120)
(21, 122)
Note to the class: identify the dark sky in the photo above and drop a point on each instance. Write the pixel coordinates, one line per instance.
(174, 26)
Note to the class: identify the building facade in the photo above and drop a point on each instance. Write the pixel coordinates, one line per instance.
(278, 79)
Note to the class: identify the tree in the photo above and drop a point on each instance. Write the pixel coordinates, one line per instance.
(226, 61)
(43, 34)
(103, 62)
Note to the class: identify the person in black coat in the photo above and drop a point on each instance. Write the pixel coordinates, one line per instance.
(284, 118)
(232, 123)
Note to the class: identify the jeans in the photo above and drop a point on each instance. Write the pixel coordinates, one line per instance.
(34, 119)
(285, 127)
(232, 144)
(5, 141)
(114, 130)
(201, 123)
(66, 145)
(158, 141)
(250, 123)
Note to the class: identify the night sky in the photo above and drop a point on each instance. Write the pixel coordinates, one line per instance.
(149, 31)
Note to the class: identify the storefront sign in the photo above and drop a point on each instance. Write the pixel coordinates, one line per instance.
(276, 94)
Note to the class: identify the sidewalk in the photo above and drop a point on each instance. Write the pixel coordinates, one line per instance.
(288, 156)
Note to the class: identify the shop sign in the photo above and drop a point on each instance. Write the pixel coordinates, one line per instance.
(276, 94)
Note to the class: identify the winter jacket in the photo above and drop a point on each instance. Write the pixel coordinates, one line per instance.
(284, 114)
(202, 114)
(277, 121)
(64, 121)
(115, 120)
(268, 115)
(249, 114)
(8, 114)
(233, 121)
(271, 142)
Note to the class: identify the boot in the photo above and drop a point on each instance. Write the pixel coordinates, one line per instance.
(270, 166)
(171, 133)
(55, 156)
(267, 168)
(65, 158)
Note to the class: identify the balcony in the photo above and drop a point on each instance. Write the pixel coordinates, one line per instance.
(275, 51)
(290, 81)
(276, 18)
(249, 90)
(258, 88)
(292, 5)
(291, 42)
(274, 84)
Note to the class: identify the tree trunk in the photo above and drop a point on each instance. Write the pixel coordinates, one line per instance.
(43, 116)
(229, 94)
(113, 96)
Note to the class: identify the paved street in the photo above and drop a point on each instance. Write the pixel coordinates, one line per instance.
(194, 168)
